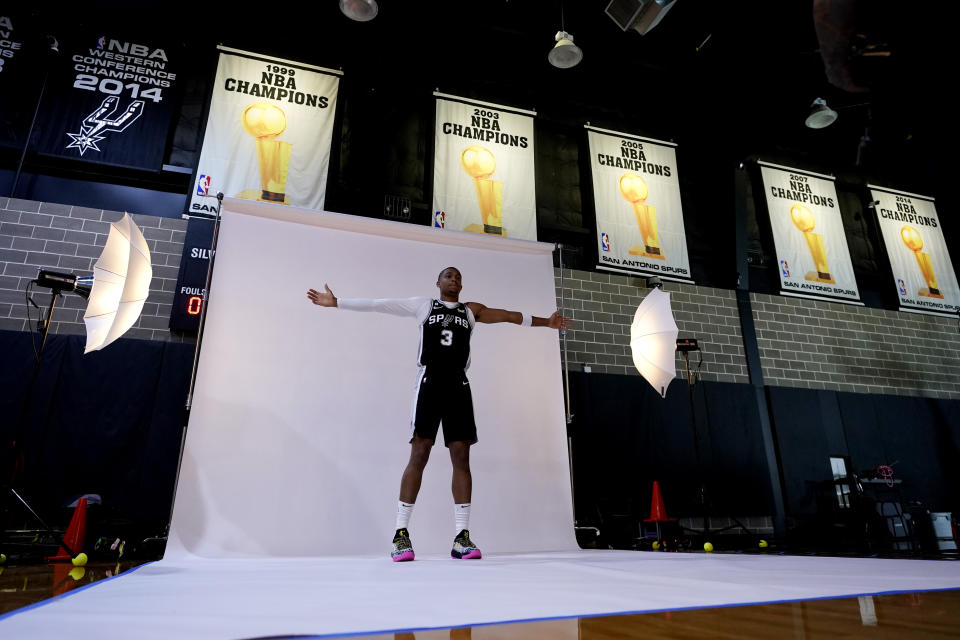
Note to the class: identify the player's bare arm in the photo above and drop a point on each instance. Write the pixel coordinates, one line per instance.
(490, 315)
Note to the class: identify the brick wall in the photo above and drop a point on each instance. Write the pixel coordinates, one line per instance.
(67, 238)
(602, 306)
(826, 345)
(803, 343)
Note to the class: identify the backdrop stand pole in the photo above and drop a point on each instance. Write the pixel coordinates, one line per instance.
(196, 356)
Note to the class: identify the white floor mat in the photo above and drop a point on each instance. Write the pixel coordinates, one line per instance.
(230, 599)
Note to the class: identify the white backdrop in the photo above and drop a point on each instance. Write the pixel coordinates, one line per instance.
(299, 429)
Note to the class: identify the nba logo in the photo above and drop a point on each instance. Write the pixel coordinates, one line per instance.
(203, 185)
(902, 287)
(605, 242)
(439, 219)
(785, 268)
(101, 42)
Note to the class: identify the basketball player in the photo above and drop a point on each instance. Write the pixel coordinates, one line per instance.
(443, 393)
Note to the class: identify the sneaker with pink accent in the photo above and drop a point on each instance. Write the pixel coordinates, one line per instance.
(402, 547)
(463, 547)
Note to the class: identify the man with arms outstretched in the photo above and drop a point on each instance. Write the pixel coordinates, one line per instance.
(443, 392)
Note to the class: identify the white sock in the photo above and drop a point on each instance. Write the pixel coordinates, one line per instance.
(461, 515)
(404, 511)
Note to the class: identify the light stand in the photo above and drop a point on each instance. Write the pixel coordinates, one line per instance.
(685, 346)
(58, 283)
(196, 356)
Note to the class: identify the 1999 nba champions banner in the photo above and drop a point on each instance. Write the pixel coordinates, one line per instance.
(268, 133)
(922, 270)
(483, 169)
(812, 253)
(636, 192)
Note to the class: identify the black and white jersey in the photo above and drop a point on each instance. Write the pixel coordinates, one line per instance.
(445, 337)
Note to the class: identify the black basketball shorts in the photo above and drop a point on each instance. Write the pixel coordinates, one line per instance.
(443, 398)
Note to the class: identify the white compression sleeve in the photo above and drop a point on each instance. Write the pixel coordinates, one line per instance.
(412, 307)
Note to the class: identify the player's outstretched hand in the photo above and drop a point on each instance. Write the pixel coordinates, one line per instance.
(557, 321)
(323, 299)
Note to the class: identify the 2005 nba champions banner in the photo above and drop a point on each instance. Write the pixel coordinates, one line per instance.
(922, 270)
(268, 133)
(812, 253)
(110, 99)
(636, 192)
(483, 169)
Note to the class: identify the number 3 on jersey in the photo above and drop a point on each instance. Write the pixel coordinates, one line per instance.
(446, 337)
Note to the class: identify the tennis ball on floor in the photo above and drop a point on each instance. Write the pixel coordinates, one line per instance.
(656, 545)
(80, 560)
(763, 544)
(708, 547)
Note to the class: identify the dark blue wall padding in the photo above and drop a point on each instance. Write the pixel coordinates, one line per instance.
(625, 436)
(108, 422)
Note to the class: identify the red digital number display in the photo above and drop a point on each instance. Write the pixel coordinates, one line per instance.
(194, 304)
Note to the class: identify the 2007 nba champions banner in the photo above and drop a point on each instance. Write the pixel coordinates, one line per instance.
(269, 131)
(812, 253)
(110, 99)
(922, 270)
(483, 169)
(636, 192)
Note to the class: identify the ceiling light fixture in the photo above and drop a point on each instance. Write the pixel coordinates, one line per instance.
(564, 54)
(820, 115)
(359, 10)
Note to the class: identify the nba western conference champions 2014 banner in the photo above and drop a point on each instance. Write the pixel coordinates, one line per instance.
(109, 99)
(811, 247)
(483, 169)
(637, 196)
(268, 133)
(922, 270)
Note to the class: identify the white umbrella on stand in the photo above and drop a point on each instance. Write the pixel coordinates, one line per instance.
(121, 283)
(653, 340)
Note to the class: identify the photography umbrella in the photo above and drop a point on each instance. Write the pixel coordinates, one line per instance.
(653, 340)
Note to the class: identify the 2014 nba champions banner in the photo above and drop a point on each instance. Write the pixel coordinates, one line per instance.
(636, 191)
(269, 131)
(812, 253)
(922, 270)
(109, 99)
(483, 169)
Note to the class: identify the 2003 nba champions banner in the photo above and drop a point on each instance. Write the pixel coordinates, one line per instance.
(812, 253)
(268, 133)
(483, 169)
(922, 270)
(110, 99)
(636, 191)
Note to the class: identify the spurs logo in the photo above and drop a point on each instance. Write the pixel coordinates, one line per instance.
(99, 122)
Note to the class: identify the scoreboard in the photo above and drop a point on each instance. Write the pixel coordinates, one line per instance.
(190, 293)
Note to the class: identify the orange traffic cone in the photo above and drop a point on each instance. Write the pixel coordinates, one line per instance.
(658, 513)
(76, 531)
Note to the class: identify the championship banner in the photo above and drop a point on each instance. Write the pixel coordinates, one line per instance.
(636, 191)
(811, 248)
(922, 270)
(109, 99)
(269, 132)
(483, 169)
(18, 75)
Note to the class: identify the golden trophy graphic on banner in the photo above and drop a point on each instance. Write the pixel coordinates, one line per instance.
(803, 219)
(265, 121)
(911, 238)
(480, 164)
(634, 190)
